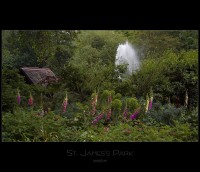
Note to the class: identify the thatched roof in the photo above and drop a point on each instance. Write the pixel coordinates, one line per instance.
(37, 75)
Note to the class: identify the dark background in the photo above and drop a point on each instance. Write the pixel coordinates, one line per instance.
(150, 156)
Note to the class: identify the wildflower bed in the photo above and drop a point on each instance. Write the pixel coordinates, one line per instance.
(107, 117)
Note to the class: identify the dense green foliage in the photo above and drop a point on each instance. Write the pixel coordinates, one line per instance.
(26, 125)
(101, 106)
(171, 75)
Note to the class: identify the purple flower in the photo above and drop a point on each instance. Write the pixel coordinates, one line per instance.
(64, 106)
(95, 121)
(134, 115)
(30, 100)
(97, 118)
(150, 103)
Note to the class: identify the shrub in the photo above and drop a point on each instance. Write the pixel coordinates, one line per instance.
(27, 125)
(165, 114)
(11, 80)
(132, 104)
(171, 74)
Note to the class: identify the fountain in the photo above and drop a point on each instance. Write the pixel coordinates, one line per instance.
(127, 55)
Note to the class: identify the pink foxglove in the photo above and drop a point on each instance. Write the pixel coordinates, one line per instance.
(99, 117)
(30, 100)
(65, 104)
(135, 114)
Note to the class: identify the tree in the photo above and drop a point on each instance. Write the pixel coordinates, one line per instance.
(93, 60)
(40, 47)
(156, 42)
(170, 75)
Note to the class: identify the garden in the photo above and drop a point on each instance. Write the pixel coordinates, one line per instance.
(96, 100)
